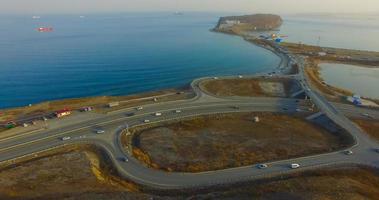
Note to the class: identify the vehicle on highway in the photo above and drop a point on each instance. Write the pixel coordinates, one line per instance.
(130, 114)
(294, 166)
(349, 152)
(100, 131)
(124, 159)
(65, 138)
(235, 107)
(298, 110)
(262, 166)
(44, 118)
(139, 108)
(146, 121)
(367, 115)
(240, 76)
(25, 125)
(158, 114)
(285, 109)
(178, 111)
(215, 78)
(86, 109)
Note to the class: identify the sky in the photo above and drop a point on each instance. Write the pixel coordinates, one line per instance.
(246, 6)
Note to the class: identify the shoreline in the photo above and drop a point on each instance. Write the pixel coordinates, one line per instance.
(285, 66)
(284, 60)
(333, 56)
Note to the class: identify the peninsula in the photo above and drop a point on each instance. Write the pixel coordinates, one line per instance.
(257, 22)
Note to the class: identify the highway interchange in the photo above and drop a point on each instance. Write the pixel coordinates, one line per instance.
(114, 123)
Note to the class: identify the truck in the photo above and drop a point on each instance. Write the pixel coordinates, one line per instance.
(65, 138)
(158, 114)
(113, 104)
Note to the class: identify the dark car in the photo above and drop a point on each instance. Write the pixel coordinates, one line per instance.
(130, 114)
(124, 159)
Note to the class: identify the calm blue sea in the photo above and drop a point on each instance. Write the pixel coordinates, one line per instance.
(121, 54)
(116, 54)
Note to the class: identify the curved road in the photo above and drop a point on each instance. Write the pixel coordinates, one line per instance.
(83, 132)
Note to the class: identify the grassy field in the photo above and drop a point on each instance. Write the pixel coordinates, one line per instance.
(250, 87)
(230, 140)
(370, 126)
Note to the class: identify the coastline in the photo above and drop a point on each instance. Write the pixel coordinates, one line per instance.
(72, 102)
(360, 58)
(284, 67)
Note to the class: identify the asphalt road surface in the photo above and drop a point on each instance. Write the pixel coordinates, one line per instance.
(83, 132)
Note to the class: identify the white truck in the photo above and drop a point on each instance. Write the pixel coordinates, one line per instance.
(65, 138)
(295, 166)
(158, 114)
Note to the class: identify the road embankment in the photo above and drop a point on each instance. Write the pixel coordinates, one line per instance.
(75, 170)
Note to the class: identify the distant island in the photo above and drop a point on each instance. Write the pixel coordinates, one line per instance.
(256, 22)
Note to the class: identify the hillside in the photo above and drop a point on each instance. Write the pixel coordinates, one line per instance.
(258, 22)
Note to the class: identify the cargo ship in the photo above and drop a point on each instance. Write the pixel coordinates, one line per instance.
(45, 29)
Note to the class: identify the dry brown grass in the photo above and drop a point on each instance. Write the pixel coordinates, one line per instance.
(230, 140)
(247, 87)
(61, 173)
(343, 183)
(370, 126)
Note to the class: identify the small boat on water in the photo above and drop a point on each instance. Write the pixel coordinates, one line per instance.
(36, 17)
(45, 29)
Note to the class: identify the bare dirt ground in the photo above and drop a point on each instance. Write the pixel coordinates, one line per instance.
(370, 126)
(230, 140)
(250, 87)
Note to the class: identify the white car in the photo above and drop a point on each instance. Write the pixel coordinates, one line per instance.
(295, 166)
(140, 108)
(178, 111)
(215, 78)
(100, 131)
(146, 121)
(262, 166)
(240, 76)
(348, 152)
(367, 115)
(65, 138)
(158, 114)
